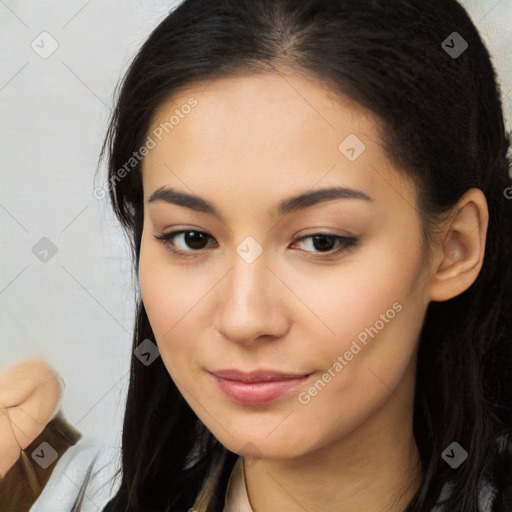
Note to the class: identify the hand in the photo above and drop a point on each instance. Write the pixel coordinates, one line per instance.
(30, 392)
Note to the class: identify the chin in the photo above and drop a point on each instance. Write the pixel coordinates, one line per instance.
(251, 445)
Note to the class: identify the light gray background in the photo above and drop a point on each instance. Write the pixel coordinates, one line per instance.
(76, 310)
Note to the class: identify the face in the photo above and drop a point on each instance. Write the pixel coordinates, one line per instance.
(329, 290)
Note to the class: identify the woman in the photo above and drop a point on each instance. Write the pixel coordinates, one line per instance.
(245, 104)
(315, 194)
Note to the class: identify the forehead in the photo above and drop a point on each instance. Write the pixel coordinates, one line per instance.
(263, 132)
(285, 104)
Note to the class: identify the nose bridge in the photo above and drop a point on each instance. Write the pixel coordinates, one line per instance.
(249, 273)
(248, 282)
(247, 306)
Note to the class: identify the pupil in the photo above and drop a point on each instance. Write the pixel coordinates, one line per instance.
(189, 239)
(322, 245)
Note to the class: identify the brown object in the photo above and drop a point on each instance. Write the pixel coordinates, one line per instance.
(24, 482)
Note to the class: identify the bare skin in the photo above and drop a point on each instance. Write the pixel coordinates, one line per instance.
(249, 143)
(30, 392)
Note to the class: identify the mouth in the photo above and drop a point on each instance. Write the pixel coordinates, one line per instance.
(257, 387)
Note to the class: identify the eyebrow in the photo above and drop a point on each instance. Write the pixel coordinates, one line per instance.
(291, 204)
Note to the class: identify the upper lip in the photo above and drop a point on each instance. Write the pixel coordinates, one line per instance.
(256, 375)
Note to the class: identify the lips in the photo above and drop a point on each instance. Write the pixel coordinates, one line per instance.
(256, 376)
(257, 387)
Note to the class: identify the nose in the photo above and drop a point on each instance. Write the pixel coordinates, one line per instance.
(251, 302)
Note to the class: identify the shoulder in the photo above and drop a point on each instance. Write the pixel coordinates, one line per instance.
(87, 473)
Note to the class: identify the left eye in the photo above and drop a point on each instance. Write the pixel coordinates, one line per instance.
(195, 240)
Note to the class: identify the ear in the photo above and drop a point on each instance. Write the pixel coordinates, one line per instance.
(459, 255)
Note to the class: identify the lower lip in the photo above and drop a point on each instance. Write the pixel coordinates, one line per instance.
(257, 393)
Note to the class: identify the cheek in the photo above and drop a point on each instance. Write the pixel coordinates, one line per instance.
(160, 294)
(372, 310)
(351, 298)
(376, 351)
(164, 288)
(153, 288)
(171, 295)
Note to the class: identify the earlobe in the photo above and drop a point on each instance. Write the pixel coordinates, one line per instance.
(461, 252)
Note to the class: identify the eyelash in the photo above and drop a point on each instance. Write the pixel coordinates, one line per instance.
(345, 241)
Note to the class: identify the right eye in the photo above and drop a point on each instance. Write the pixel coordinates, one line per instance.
(193, 238)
